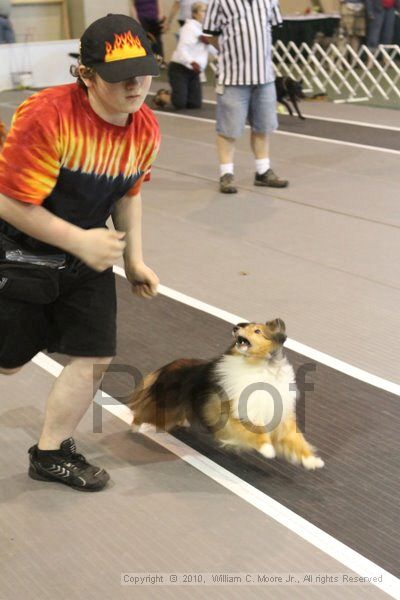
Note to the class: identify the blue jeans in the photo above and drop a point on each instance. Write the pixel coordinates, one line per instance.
(381, 28)
(238, 103)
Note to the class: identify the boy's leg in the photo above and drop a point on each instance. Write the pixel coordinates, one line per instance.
(9, 371)
(55, 458)
(70, 398)
(82, 324)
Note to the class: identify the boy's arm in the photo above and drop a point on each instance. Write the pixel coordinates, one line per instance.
(127, 217)
(98, 248)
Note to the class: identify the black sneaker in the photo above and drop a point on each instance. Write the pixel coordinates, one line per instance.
(270, 179)
(66, 466)
(226, 184)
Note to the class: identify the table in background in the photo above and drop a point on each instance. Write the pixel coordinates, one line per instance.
(302, 28)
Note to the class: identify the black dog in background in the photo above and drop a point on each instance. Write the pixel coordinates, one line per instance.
(288, 89)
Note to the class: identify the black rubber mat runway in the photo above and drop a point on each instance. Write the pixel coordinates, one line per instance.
(345, 132)
(354, 426)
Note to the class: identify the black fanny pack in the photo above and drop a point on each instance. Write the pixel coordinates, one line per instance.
(27, 276)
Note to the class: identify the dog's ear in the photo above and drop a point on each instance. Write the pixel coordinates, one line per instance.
(278, 329)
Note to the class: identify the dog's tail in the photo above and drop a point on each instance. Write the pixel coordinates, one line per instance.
(164, 399)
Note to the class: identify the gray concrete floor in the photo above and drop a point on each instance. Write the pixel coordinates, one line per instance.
(323, 255)
(159, 516)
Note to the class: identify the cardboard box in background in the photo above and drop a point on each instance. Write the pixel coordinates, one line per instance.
(330, 6)
(293, 7)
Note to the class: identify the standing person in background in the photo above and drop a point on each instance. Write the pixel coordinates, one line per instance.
(7, 35)
(246, 83)
(381, 21)
(189, 60)
(185, 12)
(353, 21)
(150, 15)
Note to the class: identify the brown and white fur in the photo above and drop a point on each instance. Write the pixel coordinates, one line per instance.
(217, 394)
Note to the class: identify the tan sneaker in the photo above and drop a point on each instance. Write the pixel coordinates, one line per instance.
(270, 179)
(226, 184)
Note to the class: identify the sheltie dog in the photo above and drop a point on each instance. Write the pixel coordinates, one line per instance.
(246, 398)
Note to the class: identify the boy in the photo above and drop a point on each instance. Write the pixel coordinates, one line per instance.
(75, 155)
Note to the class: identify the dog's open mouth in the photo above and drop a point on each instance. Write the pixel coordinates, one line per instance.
(242, 343)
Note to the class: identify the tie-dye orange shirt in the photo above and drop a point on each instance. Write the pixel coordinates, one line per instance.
(61, 154)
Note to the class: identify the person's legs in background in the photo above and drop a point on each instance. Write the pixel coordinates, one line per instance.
(259, 143)
(179, 77)
(226, 153)
(263, 121)
(387, 33)
(194, 98)
(374, 30)
(232, 109)
(153, 29)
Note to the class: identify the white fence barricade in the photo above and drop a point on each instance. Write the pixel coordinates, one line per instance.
(340, 71)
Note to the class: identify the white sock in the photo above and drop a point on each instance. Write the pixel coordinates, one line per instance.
(226, 168)
(262, 165)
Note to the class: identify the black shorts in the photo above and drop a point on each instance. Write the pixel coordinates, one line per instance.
(81, 321)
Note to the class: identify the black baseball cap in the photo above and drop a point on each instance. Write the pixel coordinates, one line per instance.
(117, 48)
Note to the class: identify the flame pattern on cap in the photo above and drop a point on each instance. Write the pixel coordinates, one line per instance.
(125, 46)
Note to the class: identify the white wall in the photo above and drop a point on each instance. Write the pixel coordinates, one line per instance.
(43, 22)
(95, 9)
(37, 22)
(48, 61)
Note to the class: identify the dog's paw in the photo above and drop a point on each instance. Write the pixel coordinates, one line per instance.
(268, 451)
(143, 428)
(312, 462)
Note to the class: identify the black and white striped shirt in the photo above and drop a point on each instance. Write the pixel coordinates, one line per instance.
(245, 40)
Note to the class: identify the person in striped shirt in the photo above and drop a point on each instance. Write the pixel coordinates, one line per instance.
(246, 83)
